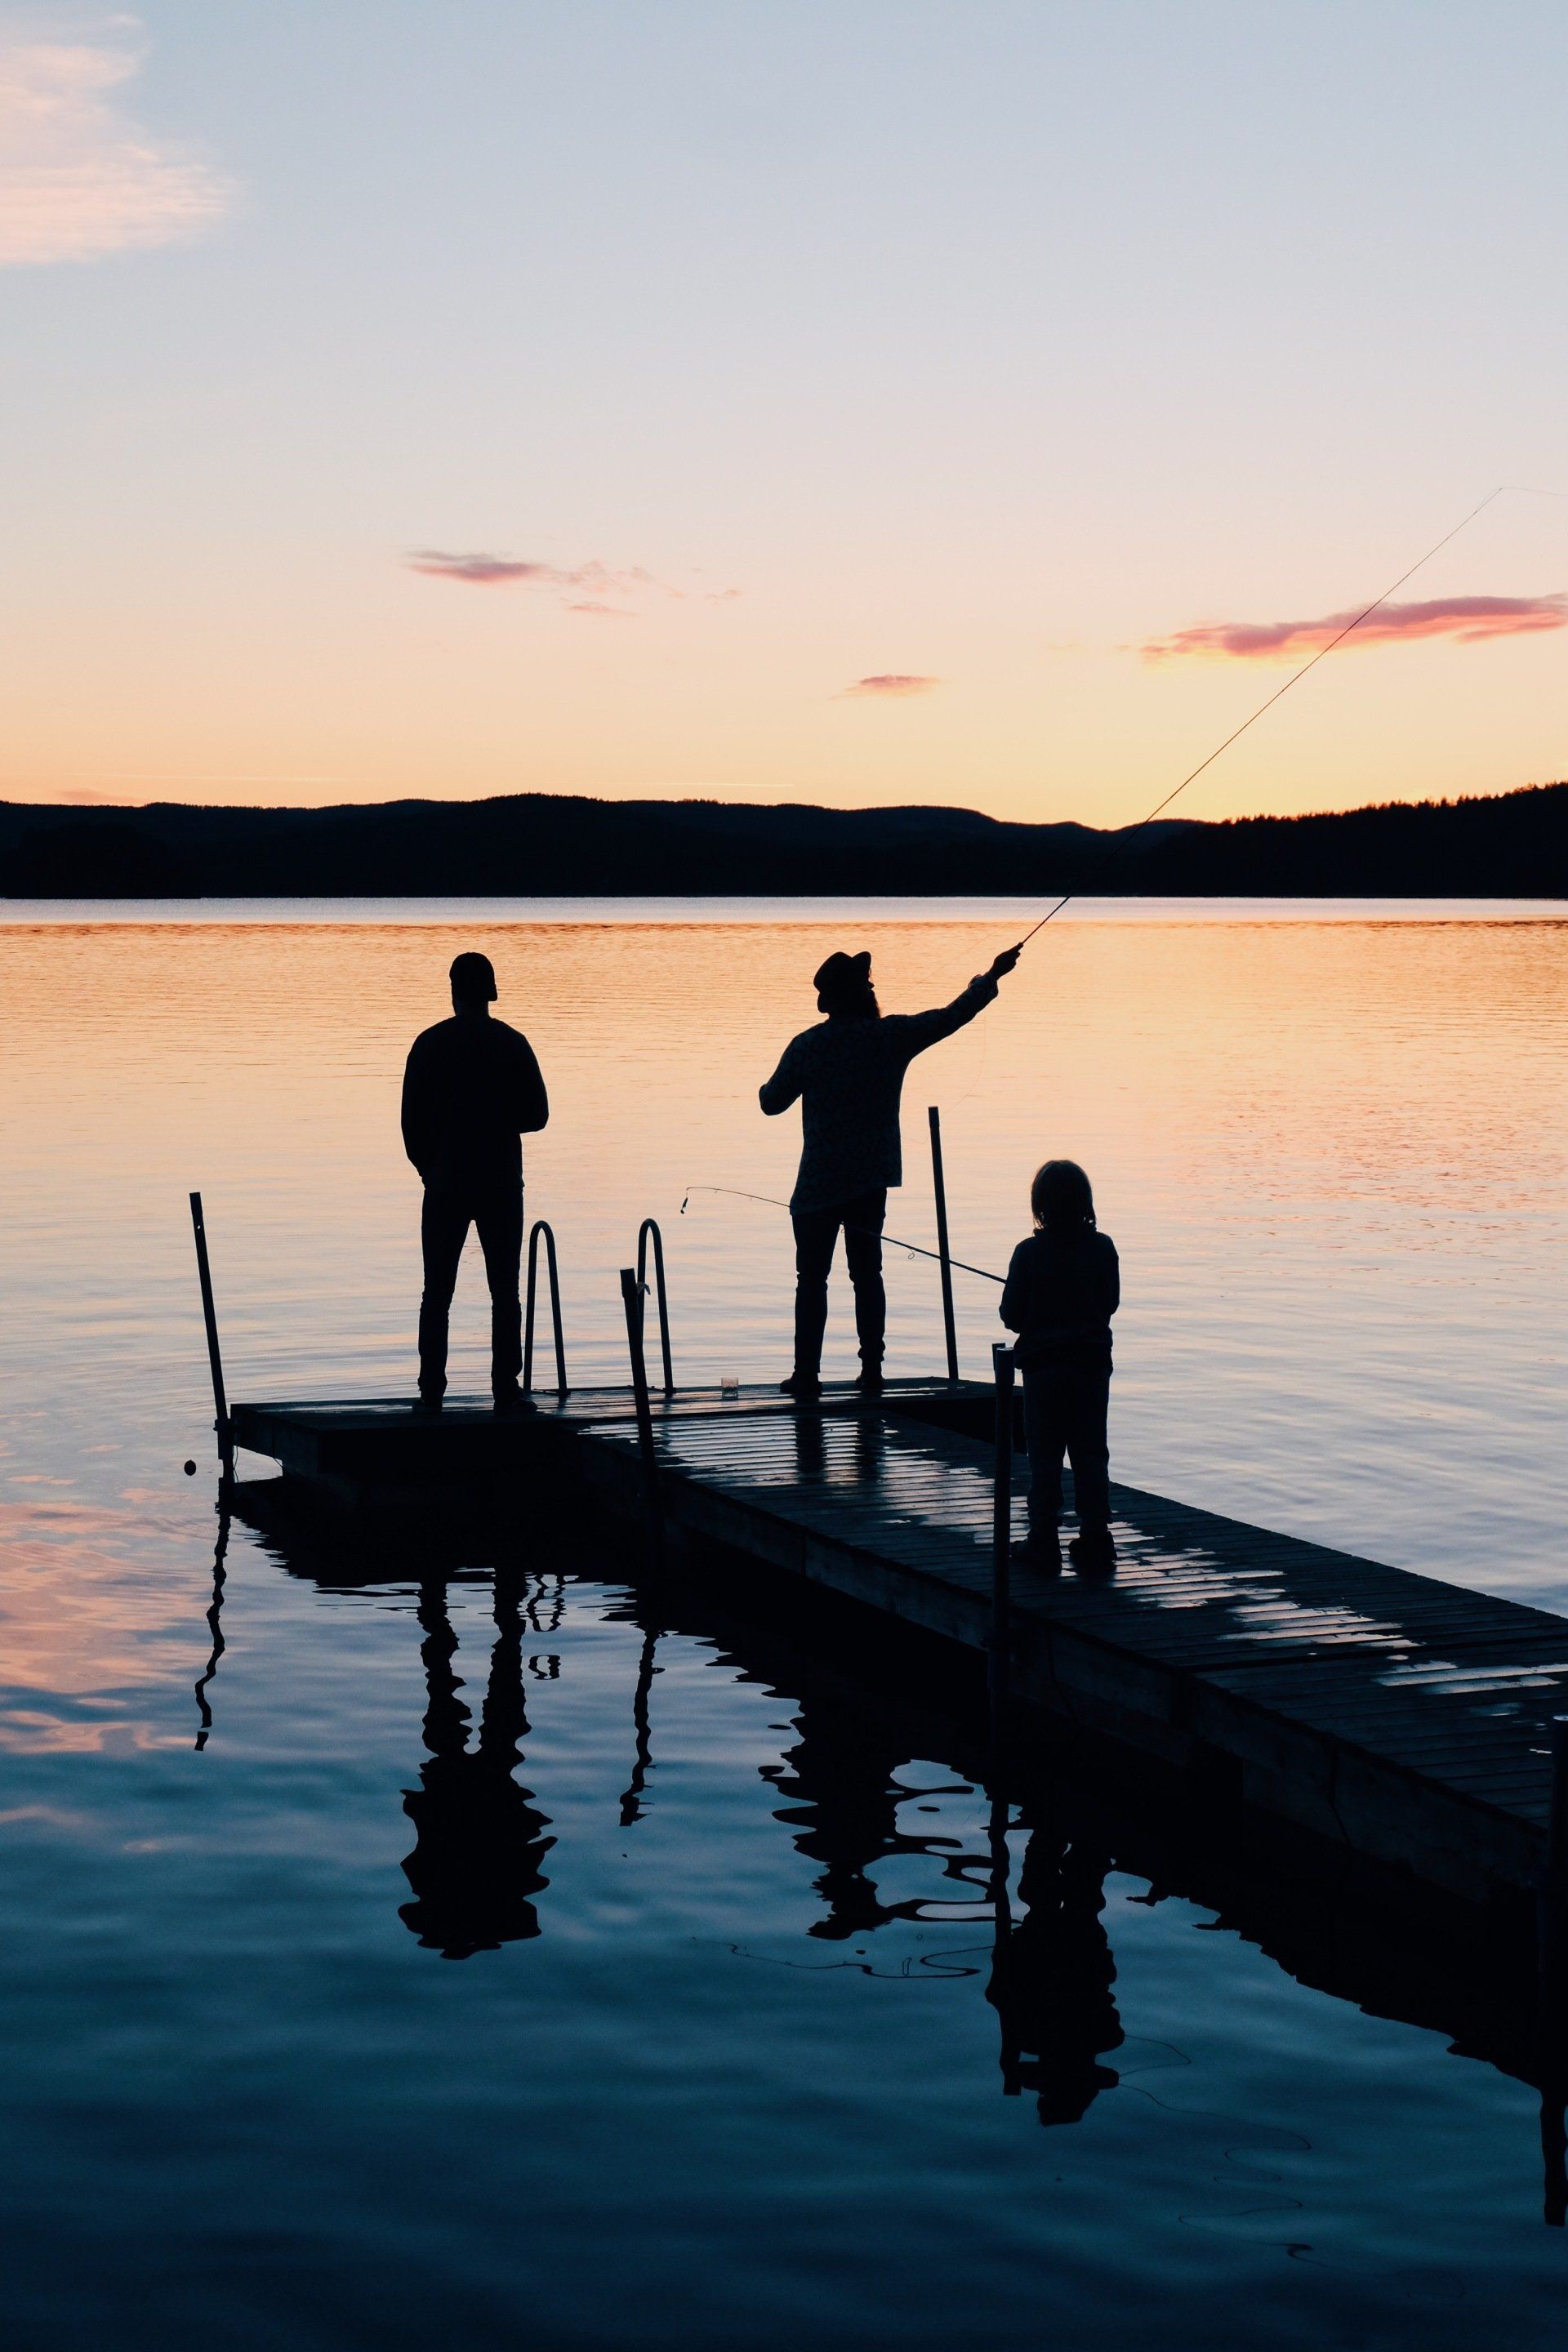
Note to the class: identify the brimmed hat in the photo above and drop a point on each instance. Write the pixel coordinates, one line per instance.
(842, 973)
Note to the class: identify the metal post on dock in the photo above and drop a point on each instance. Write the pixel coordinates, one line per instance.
(1557, 1818)
(1552, 1892)
(1553, 1991)
(1002, 1531)
(632, 1298)
(647, 1232)
(943, 1252)
(214, 1359)
(542, 1230)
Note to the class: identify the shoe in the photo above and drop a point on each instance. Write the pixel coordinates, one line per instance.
(513, 1401)
(429, 1401)
(871, 1382)
(1093, 1552)
(1042, 1553)
(805, 1386)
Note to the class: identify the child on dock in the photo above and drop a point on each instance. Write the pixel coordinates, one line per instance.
(1063, 1287)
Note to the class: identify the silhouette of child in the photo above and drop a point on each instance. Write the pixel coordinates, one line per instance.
(1063, 1287)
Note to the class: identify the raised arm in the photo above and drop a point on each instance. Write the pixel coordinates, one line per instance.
(783, 1087)
(923, 1029)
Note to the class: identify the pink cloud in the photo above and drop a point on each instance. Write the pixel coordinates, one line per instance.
(489, 570)
(1468, 619)
(79, 176)
(891, 682)
(587, 585)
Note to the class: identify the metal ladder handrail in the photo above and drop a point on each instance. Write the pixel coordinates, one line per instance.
(561, 1389)
(649, 1226)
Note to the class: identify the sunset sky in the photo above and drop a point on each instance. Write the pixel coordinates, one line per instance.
(944, 400)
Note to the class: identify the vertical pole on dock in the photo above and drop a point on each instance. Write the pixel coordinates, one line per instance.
(1553, 1993)
(215, 1359)
(944, 1252)
(1002, 1533)
(632, 1298)
(1557, 1818)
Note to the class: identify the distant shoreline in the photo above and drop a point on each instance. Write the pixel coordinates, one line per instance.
(1002, 914)
(538, 847)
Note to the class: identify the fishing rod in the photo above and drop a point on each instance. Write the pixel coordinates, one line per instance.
(1295, 679)
(892, 1240)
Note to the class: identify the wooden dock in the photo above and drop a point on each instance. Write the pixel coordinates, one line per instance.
(1403, 1721)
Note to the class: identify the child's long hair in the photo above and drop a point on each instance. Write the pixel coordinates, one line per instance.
(1062, 1200)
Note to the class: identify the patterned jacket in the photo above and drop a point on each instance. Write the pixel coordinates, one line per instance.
(847, 1075)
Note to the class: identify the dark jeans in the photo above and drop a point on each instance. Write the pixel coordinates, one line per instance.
(443, 1230)
(1065, 1412)
(816, 1239)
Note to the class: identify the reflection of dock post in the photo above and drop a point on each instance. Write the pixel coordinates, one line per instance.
(214, 1620)
(1001, 1537)
(1552, 1948)
(632, 1298)
(642, 1726)
(215, 1359)
(1001, 1939)
(944, 1253)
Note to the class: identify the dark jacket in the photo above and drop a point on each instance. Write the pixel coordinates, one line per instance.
(471, 1087)
(847, 1074)
(1061, 1295)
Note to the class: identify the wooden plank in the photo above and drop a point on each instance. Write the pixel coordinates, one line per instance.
(1398, 1710)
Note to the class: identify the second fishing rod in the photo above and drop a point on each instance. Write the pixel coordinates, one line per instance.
(941, 1256)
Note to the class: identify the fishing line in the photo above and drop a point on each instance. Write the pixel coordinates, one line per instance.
(1295, 679)
(1525, 489)
(768, 1202)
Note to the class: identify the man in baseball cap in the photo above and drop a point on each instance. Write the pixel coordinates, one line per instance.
(471, 1090)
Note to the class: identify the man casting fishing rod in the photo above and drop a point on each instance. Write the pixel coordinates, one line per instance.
(847, 1075)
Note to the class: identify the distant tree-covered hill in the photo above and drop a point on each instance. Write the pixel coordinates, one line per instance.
(540, 844)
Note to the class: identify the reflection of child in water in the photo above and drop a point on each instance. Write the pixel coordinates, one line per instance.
(1052, 1982)
(1063, 1287)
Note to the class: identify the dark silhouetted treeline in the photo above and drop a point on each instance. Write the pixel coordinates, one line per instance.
(537, 845)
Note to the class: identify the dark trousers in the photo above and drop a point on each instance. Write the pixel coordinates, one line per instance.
(816, 1239)
(443, 1229)
(1064, 1408)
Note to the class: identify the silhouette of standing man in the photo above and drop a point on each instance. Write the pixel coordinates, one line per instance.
(471, 1089)
(847, 1075)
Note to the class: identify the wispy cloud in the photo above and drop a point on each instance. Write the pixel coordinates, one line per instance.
(483, 571)
(581, 587)
(1468, 619)
(887, 683)
(77, 177)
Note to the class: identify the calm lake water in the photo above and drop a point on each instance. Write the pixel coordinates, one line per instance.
(507, 1964)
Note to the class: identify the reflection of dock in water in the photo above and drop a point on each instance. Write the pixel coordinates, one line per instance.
(1403, 1724)
(884, 1764)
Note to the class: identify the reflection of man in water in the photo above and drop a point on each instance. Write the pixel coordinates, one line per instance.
(479, 1841)
(1053, 1978)
(842, 1813)
(471, 1089)
(847, 1075)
